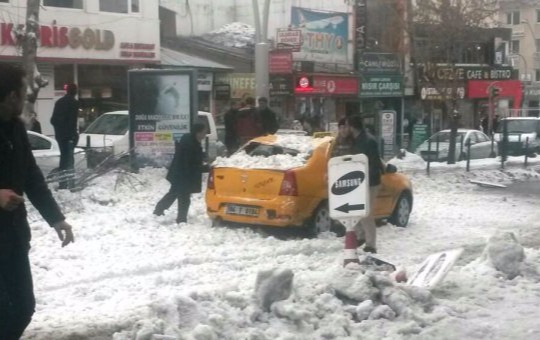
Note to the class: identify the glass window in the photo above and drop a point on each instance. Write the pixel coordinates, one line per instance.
(519, 126)
(444, 137)
(265, 150)
(537, 75)
(119, 6)
(63, 74)
(4, 0)
(64, 3)
(109, 124)
(480, 137)
(538, 15)
(514, 47)
(39, 143)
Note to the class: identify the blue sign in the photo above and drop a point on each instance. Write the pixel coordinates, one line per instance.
(325, 35)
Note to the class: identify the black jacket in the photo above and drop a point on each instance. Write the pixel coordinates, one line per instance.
(19, 172)
(365, 143)
(268, 121)
(187, 165)
(64, 119)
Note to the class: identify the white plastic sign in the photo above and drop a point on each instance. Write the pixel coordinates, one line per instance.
(433, 270)
(348, 188)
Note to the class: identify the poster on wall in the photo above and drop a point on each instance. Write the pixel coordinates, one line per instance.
(325, 35)
(162, 106)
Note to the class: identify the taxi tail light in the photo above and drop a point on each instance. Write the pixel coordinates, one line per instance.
(288, 185)
(210, 185)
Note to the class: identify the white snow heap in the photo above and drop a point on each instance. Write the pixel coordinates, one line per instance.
(235, 34)
(379, 298)
(273, 285)
(504, 253)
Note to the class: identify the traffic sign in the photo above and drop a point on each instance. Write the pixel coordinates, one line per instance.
(348, 188)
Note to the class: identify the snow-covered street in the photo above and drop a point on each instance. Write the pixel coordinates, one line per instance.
(131, 274)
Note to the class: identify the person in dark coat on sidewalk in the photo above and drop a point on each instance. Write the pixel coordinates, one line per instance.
(269, 120)
(64, 120)
(185, 173)
(19, 175)
(231, 138)
(365, 143)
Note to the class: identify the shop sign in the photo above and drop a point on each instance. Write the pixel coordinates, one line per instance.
(531, 91)
(388, 132)
(242, 84)
(462, 73)
(378, 63)
(326, 85)
(222, 92)
(442, 93)
(289, 39)
(281, 86)
(508, 88)
(325, 35)
(419, 135)
(360, 25)
(137, 50)
(204, 81)
(280, 62)
(376, 86)
(62, 36)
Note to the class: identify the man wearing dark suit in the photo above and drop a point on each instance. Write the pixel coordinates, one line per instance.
(185, 173)
(19, 175)
(64, 120)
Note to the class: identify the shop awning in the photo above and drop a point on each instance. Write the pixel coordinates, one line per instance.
(178, 59)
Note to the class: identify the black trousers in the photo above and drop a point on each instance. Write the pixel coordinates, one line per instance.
(17, 302)
(184, 201)
(67, 163)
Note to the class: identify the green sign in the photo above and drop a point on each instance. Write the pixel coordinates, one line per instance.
(375, 86)
(419, 135)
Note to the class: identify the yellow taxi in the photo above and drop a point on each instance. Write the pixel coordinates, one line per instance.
(281, 181)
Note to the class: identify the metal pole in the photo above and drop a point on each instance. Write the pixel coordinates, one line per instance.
(262, 49)
(402, 120)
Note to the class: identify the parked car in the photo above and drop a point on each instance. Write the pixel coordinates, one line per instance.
(519, 130)
(295, 196)
(109, 134)
(480, 145)
(47, 153)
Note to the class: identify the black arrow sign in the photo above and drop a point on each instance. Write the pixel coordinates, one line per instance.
(346, 208)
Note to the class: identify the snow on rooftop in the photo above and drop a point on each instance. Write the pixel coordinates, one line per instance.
(235, 34)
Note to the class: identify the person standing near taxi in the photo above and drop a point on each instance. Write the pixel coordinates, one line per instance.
(365, 143)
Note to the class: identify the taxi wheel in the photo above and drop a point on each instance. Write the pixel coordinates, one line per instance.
(402, 211)
(320, 221)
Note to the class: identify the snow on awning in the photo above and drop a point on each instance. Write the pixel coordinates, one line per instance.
(174, 58)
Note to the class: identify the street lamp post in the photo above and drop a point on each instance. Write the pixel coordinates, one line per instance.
(262, 49)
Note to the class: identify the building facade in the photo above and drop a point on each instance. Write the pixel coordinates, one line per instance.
(523, 17)
(90, 43)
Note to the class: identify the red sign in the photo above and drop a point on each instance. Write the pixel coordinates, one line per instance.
(507, 88)
(326, 85)
(280, 62)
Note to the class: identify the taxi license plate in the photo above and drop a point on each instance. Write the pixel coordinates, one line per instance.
(233, 209)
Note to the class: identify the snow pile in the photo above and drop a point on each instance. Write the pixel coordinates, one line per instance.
(408, 161)
(505, 254)
(236, 34)
(273, 285)
(276, 162)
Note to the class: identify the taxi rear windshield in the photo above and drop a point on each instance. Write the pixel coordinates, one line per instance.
(265, 150)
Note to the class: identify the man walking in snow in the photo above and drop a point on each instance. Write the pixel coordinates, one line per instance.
(19, 175)
(247, 122)
(365, 143)
(185, 173)
(269, 121)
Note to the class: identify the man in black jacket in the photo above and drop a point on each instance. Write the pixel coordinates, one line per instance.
(19, 175)
(64, 120)
(365, 143)
(269, 120)
(185, 173)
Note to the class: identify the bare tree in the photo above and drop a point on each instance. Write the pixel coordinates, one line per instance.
(27, 39)
(446, 33)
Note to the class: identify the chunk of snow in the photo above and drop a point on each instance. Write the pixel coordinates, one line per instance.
(505, 254)
(273, 285)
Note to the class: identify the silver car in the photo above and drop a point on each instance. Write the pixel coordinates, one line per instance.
(481, 146)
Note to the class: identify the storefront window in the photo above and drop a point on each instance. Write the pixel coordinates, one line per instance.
(63, 74)
(64, 3)
(4, 1)
(119, 6)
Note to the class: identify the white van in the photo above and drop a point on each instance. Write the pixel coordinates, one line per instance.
(109, 133)
(520, 129)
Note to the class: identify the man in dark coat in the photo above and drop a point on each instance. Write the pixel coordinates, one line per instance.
(247, 122)
(269, 120)
(64, 120)
(365, 143)
(19, 175)
(231, 139)
(185, 173)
